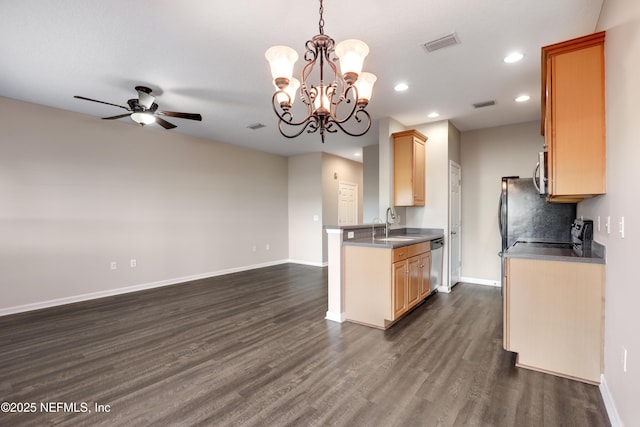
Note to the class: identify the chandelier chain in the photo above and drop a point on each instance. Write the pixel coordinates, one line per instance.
(321, 22)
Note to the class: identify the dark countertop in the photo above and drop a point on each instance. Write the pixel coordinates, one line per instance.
(554, 251)
(404, 237)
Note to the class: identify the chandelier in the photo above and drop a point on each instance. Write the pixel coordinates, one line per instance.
(329, 105)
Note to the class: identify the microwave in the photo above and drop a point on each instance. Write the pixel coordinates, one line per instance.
(540, 179)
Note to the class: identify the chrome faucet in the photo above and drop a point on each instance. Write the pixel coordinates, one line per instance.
(390, 212)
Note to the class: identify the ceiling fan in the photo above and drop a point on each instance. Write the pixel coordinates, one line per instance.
(144, 110)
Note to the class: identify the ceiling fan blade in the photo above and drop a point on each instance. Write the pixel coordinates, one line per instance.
(165, 124)
(116, 117)
(101, 102)
(189, 116)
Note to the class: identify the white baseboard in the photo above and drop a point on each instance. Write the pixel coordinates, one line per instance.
(485, 282)
(134, 288)
(614, 417)
(311, 263)
(336, 317)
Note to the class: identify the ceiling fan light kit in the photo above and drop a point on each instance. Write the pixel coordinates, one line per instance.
(323, 101)
(144, 111)
(143, 118)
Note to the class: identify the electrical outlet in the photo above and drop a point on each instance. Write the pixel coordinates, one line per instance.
(267, 247)
(254, 248)
(607, 225)
(114, 265)
(133, 263)
(316, 218)
(598, 223)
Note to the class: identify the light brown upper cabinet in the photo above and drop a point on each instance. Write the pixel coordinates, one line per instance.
(573, 113)
(408, 168)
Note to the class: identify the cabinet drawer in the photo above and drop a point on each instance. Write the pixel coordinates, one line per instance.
(400, 254)
(418, 248)
(404, 252)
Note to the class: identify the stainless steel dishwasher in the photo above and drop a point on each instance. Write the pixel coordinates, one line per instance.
(437, 248)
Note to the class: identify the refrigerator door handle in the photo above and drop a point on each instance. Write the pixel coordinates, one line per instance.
(500, 217)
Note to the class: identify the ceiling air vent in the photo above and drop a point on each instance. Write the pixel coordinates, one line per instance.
(442, 42)
(484, 104)
(256, 126)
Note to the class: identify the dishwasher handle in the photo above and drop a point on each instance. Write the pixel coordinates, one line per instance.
(437, 243)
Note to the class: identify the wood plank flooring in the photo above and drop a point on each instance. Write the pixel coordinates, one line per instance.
(253, 349)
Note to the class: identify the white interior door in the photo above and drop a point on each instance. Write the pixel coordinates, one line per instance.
(347, 203)
(455, 200)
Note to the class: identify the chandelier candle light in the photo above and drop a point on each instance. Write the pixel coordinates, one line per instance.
(323, 102)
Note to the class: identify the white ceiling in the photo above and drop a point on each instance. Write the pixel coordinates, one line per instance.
(207, 57)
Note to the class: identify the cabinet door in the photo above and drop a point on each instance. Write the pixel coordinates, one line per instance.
(400, 297)
(425, 274)
(415, 276)
(574, 117)
(409, 168)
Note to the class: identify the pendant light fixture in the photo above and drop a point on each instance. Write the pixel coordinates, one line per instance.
(338, 103)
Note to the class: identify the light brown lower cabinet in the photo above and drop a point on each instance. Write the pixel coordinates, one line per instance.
(554, 316)
(425, 274)
(381, 284)
(400, 289)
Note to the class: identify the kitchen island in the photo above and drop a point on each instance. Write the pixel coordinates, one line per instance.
(343, 240)
(554, 308)
(386, 275)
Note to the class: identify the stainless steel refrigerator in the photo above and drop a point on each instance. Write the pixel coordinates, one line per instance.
(523, 213)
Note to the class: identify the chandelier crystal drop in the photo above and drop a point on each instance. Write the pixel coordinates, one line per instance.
(338, 103)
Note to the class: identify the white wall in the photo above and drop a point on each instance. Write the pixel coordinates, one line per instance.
(621, 20)
(77, 192)
(487, 155)
(386, 127)
(337, 169)
(454, 143)
(438, 149)
(371, 182)
(305, 203)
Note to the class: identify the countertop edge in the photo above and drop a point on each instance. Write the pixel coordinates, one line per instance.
(415, 238)
(597, 257)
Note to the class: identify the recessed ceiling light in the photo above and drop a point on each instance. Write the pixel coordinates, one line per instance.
(513, 57)
(433, 115)
(401, 87)
(523, 98)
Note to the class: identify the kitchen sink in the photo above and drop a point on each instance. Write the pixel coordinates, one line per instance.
(396, 239)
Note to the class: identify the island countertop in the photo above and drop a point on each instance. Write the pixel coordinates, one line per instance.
(397, 237)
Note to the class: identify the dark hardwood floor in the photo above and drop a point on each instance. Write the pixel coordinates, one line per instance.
(253, 349)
